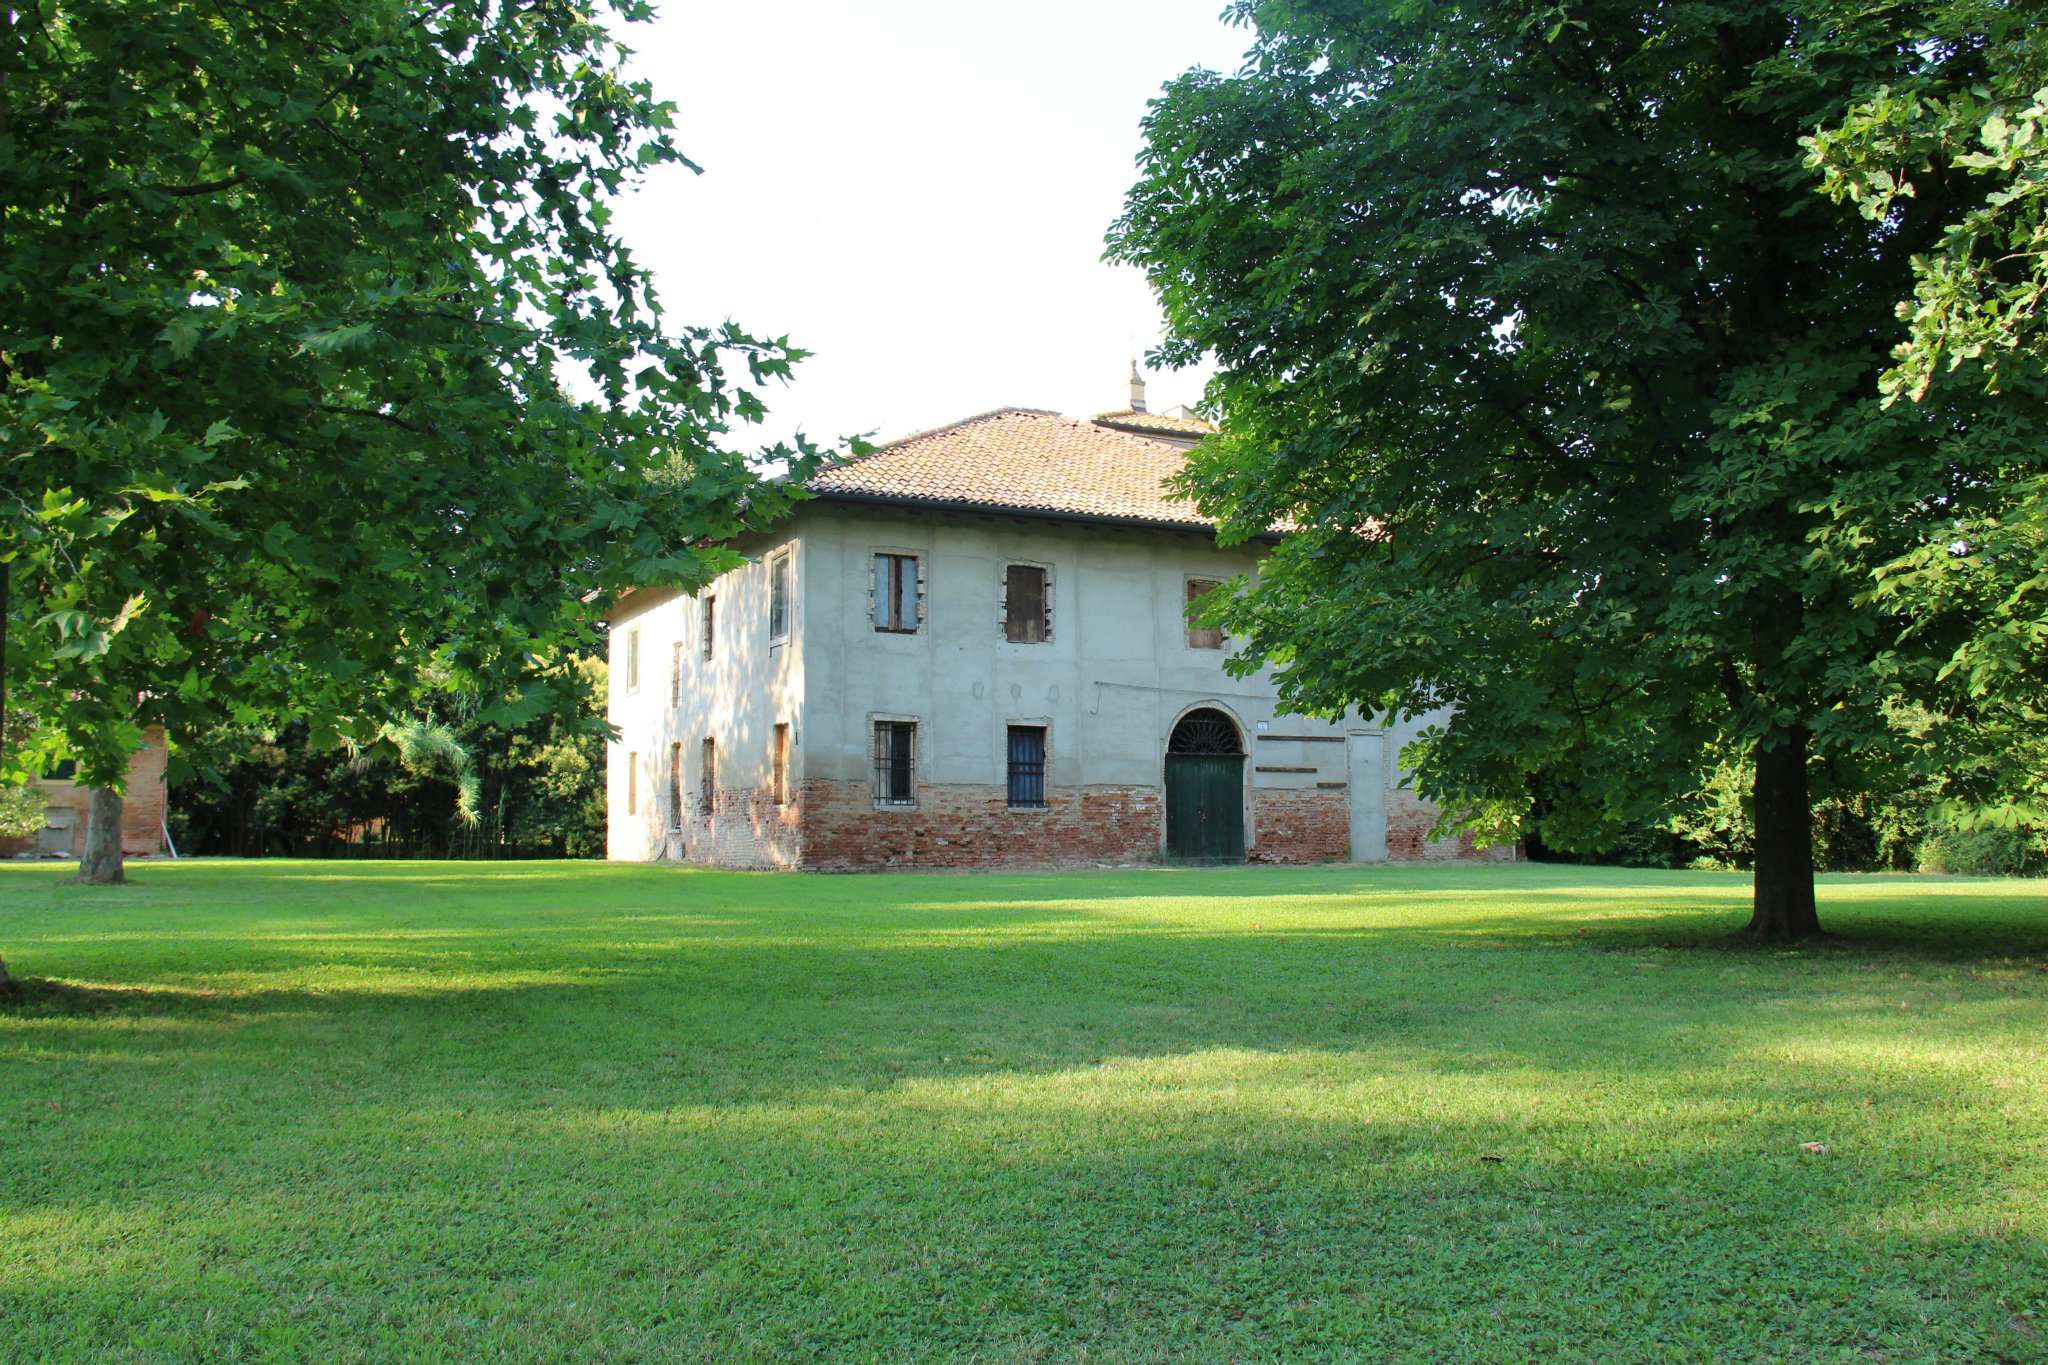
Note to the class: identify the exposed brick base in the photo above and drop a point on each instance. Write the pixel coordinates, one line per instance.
(1300, 826)
(744, 829)
(974, 827)
(836, 827)
(1409, 818)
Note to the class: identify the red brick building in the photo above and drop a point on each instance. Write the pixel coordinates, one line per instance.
(142, 809)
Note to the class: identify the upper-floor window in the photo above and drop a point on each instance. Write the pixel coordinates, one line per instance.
(895, 750)
(675, 674)
(633, 659)
(778, 597)
(1027, 604)
(709, 624)
(1203, 637)
(895, 592)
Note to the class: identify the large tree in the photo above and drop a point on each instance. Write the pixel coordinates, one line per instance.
(1532, 326)
(322, 367)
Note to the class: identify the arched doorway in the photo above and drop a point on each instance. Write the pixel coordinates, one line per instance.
(1205, 789)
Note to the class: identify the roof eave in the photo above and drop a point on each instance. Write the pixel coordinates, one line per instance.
(985, 509)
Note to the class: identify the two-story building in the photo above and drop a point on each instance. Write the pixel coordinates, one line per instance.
(971, 648)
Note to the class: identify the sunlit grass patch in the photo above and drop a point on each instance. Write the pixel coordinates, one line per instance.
(587, 1112)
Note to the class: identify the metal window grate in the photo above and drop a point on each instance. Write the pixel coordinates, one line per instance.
(1027, 766)
(710, 624)
(1205, 731)
(707, 798)
(895, 741)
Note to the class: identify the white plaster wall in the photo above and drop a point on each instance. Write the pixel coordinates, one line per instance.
(736, 697)
(1109, 684)
(1115, 676)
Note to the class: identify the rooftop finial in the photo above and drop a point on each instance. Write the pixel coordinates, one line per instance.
(1137, 387)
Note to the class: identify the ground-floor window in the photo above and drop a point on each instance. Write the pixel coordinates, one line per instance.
(675, 786)
(708, 793)
(1027, 767)
(895, 744)
(779, 779)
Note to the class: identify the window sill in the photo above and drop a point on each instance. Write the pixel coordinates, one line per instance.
(895, 630)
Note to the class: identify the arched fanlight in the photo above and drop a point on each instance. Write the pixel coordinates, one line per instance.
(1206, 731)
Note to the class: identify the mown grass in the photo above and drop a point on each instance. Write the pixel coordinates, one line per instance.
(552, 1112)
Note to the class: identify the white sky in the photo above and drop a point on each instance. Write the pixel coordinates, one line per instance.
(916, 191)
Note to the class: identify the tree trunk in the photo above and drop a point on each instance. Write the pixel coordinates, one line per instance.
(101, 863)
(6, 981)
(1784, 911)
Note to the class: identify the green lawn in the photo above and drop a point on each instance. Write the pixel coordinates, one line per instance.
(332, 1112)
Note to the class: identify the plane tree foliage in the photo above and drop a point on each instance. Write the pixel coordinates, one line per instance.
(1974, 314)
(1535, 329)
(322, 366)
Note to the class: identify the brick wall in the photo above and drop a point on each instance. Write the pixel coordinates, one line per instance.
(1300, 825)
(1408, 820)
(142, 809)
(974, 827)
(836, 827)
(744, 829)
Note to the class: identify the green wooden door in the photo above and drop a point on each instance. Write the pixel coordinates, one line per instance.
(1205, 807)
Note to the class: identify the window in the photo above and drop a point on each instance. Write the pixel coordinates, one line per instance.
(1027, 607)
(710, 623)
(675, 675)
(1027, 767)
(1203, 637)
(895, 741)
(632, 784)
(895, 593)
(65, 771)
(675, 786)
(633, 659)
(778, 782)
(778, 597)
(707, 795)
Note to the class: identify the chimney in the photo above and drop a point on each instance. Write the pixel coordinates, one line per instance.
(1137, 388)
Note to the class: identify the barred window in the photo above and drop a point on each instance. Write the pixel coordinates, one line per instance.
(1027, 767)
(707, 796)
(895, 742)
(895, 593)
(778, 597)
(710, 623)
(675, 675)
(1027, 611)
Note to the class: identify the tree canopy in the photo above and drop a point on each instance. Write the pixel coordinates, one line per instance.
(322, 367)
(1533, 325)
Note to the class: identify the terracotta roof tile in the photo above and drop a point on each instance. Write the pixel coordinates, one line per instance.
(1021, 459)
(1165, 423)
